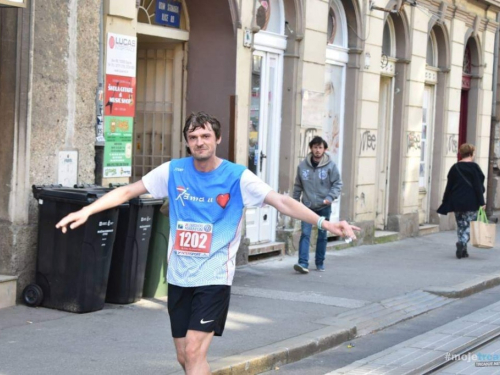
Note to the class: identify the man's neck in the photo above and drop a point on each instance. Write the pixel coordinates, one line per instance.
(207, 165)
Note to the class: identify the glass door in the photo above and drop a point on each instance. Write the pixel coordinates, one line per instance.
(265, 118)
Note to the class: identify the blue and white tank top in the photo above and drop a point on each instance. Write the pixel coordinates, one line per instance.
(206, 212)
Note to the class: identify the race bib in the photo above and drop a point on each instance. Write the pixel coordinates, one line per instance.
(193, 239)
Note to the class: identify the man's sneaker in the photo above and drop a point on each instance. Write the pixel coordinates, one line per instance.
(300, 269)
(320, 268)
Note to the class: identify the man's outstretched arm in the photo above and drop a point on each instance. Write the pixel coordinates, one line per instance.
(112, 199)
(292, 208)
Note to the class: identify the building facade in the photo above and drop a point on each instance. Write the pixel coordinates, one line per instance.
(394, 88)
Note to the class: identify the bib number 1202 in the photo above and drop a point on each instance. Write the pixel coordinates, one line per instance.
(193, 240)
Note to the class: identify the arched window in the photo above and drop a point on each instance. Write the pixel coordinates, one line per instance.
(269, 16)
(432, 54)
(389, 39)
(337, 25)
(467, 66)
(332, 26)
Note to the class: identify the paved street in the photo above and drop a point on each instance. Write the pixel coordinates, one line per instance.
(362, 347)
(271, 306)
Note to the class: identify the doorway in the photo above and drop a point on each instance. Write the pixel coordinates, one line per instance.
(384, 151)
(157, 127)
(333, 127)
(263, 153)
(426, 141)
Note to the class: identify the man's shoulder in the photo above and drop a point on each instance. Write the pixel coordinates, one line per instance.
(304, 164)
(233, 168)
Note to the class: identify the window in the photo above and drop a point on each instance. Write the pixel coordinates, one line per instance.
(388, 47)
(432, 54)
(332, 26)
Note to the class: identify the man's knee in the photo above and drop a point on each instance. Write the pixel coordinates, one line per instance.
(194, 349)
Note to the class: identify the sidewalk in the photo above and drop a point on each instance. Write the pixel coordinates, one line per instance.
(276, 314)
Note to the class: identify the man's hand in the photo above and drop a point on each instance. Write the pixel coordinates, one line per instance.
(326, 201)
(112, 199)
(341, 228)
(74, 219)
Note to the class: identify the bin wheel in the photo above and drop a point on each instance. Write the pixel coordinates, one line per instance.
(33, 295)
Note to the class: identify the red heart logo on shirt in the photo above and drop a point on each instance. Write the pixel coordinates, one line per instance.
(223, 199)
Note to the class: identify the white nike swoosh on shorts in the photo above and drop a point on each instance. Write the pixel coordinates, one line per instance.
(205, 321)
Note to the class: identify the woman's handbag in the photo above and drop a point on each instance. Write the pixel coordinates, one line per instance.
(482, 233)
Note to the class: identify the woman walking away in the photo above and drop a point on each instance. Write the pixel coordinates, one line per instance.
(464, 195)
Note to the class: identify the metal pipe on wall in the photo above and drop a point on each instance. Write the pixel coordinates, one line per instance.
(492, 158)
(99, 145)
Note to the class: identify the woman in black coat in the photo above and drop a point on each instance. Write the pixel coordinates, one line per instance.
(464, 195)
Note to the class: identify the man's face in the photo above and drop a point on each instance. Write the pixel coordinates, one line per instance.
(202, 142)
(318, 151)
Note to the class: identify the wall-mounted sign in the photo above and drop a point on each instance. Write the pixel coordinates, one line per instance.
(121, 55)
(13, 3)
(118, 132)
(67, 171)
(120, 96)
(168, 13)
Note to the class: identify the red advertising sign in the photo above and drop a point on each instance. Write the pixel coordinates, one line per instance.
(120, 96)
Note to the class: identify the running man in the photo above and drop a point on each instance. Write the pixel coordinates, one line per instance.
(207, 198)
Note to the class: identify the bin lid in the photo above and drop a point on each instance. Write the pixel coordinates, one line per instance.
(79, 195)
(146, 200)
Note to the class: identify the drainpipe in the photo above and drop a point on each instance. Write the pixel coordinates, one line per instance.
(99, 144)
(492, 157)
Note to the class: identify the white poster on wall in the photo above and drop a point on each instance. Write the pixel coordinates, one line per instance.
(67, 168)
(121, 55)
(313, 109)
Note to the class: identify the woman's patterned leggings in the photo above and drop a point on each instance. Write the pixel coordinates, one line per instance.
(463, 225)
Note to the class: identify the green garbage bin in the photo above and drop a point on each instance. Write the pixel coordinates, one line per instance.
(155, 281)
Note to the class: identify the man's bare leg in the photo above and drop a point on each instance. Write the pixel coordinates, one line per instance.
(180, 347)
(192, 352)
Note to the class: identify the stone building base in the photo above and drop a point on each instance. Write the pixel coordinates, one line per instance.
(406, 225)
(18, 253)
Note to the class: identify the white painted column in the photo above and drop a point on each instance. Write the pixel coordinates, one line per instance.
(413, 120)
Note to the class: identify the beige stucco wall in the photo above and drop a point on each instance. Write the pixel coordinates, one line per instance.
(120, 17)
(366, 177)
(243, 84)
(312, 71)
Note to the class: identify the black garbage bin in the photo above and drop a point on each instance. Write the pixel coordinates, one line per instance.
(72, 269)
(130, 252)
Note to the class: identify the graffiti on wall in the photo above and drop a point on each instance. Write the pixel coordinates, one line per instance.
(306, 135)
(413, 141)
(368, 142)
(452, 144)
(331, 127)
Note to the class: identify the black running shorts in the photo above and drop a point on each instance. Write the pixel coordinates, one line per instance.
(202, 308)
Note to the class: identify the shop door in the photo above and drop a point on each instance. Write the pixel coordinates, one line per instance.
(159, 92)
(265, 121)
(425, 174)
(333, 128)
(383, 152)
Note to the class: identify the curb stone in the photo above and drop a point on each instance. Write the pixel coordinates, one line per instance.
(290, 350)
(467, 288)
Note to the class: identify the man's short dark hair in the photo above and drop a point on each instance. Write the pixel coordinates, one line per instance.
(199, 120)
(318, 140)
